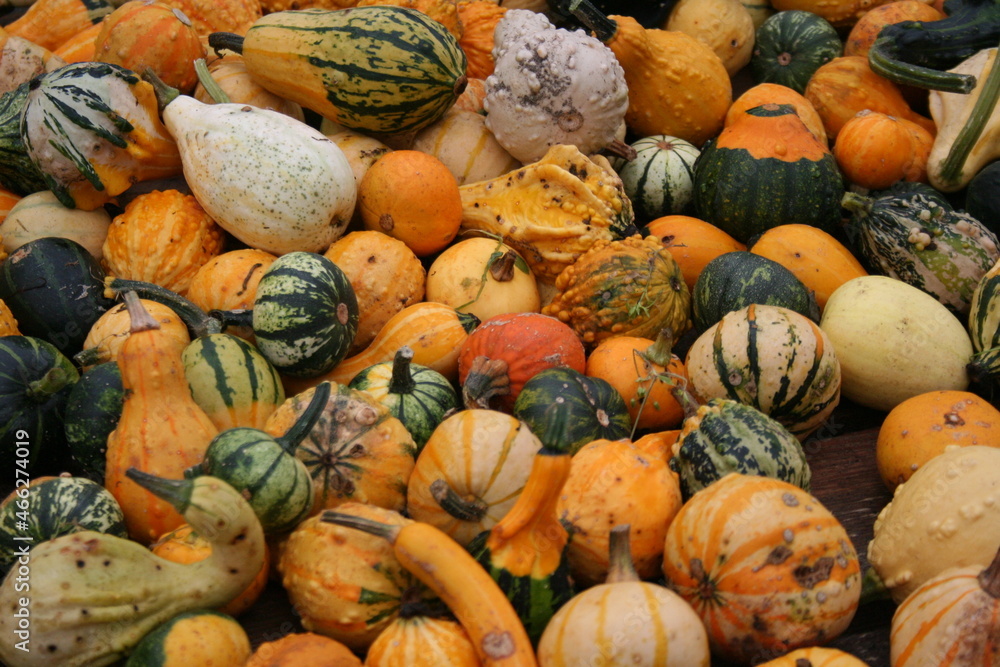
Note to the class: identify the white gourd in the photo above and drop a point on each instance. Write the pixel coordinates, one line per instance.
(552, 86)
(270, 180)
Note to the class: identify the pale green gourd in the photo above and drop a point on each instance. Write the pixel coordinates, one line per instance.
(94, 596)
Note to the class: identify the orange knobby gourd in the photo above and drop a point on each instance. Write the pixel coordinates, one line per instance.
(774, 93)
(412, 196)
(644, 372)
(303, 648)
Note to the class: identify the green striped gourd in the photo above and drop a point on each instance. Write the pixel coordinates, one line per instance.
(724, 436)
(264, 468)
(305, 314)
(17, 172)
(792, 44)
(771, 358)
(52, 507)
(936, 249)
(383, 69)
(93, 408)
(984, 327)
(597, 410)
(416, 395)
(660, 178)
(231, 381)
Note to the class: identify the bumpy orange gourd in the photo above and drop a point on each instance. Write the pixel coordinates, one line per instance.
(766, 566)
(921, 427)
(692, 242)
(844, 86)
(864, 32)
(145, 33)
(303, 648)
(816, 258)
(875, 150)
(774, 93)
(479, 19)
(208, 16)
(385, 274)
(8, 325)
(161, 431)
(184, 545)
(162, 237)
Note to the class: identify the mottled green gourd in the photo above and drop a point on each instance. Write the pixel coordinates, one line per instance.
(264, 468)
(937, 249)
(724, 436)
(525, 552)
(94, 596)
(93, 409)
(17, 172)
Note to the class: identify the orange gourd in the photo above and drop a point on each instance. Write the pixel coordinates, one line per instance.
(693, 243)
(162, 237)
(184, 545)
(231, 74)
(875, 150)
(146, 33)
(766, 566)
(161, 431)
(479, 19)
(864, 32)
(298, 649)
(840, 13)
(921, 427)
(844, 86)
(614, 482)
(82, 46)
(816, 258)
(7, 201)
(208, 16)
(385, 274)
(415, 639)
(506, 351)
(644, 371)
(110, 331)
(228, 281)
(472, 97)
(8, 325)
(49, 23)
(411, 196)
(774, 93)
(815, 656)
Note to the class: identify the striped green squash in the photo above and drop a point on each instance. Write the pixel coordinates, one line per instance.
(93, 409)
(771, 358)
(938, 250)
(305, 314)
(264, 468)
(416, 395)
(598, 411)
(660, 178)
(17, 172)
(202, 636)
(725, 436)
(383, 69)
(984, 328)
(55, 290)
(52, 507)
(736, 279)
(231, 381)
(790, 45)
(35, 382)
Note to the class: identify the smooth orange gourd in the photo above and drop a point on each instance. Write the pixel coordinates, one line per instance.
(479, 20)
(228, 281)
(8, 325)
(81, 47)
(49, 23)
(161, 431)
(875, 150)
(693, 243)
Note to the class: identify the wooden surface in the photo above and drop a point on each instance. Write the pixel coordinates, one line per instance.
(844, 479)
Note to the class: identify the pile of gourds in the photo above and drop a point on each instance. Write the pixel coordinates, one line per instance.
(493, 331)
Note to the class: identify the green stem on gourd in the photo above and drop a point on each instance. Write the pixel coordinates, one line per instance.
(586, 13)
(989, 578)
(242, 317)
(164, 94)
(307, 420)
(401, 381)
(383, 530)
(982, 110)
(455, 505)
(45, 387)
(177, 492)
(661, 351)
(686, 399)
(621, 566)
(209, 83)
(199, 322)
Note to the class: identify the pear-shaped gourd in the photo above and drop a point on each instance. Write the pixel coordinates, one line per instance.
(270, 180)
(94, 596)
(264, 468)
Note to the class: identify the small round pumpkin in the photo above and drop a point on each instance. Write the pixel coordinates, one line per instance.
(692, 242)
(229, 282)
(144, 33)
(921, 427)
(875, 150)
(184, 545)
(815, 656)
(414, 639)
(767, 567)
(412, 196)
(386, 277)
(195, 637)
(298, 649)
(162, 237)
(776, 93)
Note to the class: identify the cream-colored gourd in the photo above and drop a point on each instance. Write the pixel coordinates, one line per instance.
(463, 142)
(951, 112)
(725, 26)
(946, 515)
(93, 596)
(273, 182)
(894, 341)
(42, 214)
(552, 86)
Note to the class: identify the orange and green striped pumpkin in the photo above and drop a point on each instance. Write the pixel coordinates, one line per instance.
(767, 567)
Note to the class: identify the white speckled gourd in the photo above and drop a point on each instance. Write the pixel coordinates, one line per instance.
(552, 86)
(270, 180)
